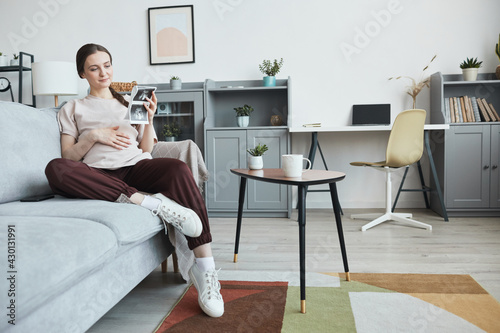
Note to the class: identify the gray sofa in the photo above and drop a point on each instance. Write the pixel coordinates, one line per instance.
(71, 260)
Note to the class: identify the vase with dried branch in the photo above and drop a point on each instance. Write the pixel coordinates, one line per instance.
(416, 87)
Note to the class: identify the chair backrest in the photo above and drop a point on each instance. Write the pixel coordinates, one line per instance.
(406, 141)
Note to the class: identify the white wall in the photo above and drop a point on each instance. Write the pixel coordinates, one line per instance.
(338, 53)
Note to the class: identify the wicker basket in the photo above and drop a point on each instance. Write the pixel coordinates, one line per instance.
(123, 86)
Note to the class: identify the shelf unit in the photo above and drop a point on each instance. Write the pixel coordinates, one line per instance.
(184, 106)
(467, 156)
(226, 145)
(21, 69)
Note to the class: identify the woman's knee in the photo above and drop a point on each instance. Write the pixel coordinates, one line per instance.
(54, 168)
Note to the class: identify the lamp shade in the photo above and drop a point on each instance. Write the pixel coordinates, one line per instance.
(54, 78)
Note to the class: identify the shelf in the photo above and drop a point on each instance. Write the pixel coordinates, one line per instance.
(457, 79)
(232, 128)
(13, 69)
(234, 89)
(20, 69)
(174, 115)
(177, 91)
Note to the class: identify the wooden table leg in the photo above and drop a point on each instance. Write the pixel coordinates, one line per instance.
(302, 246)
(336, 211)
(241, 201)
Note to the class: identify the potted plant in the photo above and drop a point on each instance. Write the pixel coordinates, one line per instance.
(497, 51)
(3, 60)
(270, 69)
(243, 115)
(255, 161)
(175, 83)
(171, 131)
(15, 60)
(469, 69)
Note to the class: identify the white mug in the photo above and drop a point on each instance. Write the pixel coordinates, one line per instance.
(292, 165)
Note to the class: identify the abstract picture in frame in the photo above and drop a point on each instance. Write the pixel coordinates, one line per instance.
(171, 35)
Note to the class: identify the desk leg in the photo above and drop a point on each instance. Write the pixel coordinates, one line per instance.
(336, 211)
(302, 246)
(241, 201)
(434, 174)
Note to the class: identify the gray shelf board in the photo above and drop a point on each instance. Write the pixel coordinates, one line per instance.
(247, 89)
(463, 83)
(245, 128)
(13, 69)
(459, 79)
(175, 114)
(490, 123)
(177, 90)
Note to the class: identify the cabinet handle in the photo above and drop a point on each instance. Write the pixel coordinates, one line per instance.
(486, 167)
(494, 166)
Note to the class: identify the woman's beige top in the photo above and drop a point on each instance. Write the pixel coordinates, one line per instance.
(79, 116)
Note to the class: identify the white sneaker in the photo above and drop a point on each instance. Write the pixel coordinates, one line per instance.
(208, 287)
(182, 218)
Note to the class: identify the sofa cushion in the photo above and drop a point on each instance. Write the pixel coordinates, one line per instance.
(29, 139)
(129, 222)
(52, 254)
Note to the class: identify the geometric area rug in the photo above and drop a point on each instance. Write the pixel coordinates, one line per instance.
(370, 302)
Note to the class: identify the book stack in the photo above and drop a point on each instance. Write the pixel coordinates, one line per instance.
(465, 109)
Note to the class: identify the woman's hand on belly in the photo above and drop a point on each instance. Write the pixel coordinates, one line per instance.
(110, 136)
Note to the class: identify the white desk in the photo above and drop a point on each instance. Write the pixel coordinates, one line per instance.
(427, 128)
(359, 128)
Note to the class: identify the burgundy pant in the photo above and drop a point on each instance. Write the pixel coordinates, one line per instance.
(170, 177)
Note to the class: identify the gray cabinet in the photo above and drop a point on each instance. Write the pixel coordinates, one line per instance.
(183, 107)
(226, 150)
(226, 146)
(467, 180)
(467, 155)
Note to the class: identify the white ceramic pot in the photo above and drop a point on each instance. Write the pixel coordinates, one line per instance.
(470, 74)
(176, 84)
(242, 121)
(255, 162)
(14, 62)
(4, 61)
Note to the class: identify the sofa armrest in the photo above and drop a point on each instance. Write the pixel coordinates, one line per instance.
(186, 151)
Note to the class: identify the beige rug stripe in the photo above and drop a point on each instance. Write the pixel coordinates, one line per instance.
(420, 283)
(480, 310)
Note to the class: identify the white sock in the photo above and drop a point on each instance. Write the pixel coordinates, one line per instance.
(205, 264)
(150, 202)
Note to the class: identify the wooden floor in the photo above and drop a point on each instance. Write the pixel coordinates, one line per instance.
(461, 246)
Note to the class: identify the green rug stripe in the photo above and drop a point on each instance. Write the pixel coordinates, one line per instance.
(338, 317)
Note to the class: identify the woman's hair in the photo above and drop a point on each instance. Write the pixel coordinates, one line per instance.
(81, 57)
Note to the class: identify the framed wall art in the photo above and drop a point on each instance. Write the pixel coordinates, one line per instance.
(171, 35)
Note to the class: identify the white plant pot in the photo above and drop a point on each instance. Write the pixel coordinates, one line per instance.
(4, 61)
(255, 162)
(176, 84)
(14, 62)
(170, 138)
(243, 121)
(470, 74)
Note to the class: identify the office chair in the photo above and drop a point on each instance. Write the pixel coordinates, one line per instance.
(405, 147)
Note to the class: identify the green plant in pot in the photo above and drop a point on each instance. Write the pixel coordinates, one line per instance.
(175, 83)
(255, 161)
(243, 115)
(15, 60)
(171, 131)
(470, 68)
(270, 69)
(497, 51)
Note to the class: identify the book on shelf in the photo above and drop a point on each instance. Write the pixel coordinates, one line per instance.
(469, 109)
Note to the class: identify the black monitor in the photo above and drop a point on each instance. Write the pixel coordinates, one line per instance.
(371, 114)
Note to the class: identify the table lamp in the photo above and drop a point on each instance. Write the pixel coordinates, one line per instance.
(56, 78)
